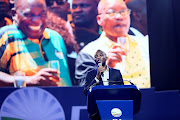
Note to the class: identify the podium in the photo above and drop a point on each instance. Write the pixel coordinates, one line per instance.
(114, 102)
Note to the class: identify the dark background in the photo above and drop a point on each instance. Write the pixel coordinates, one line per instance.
(164, 41)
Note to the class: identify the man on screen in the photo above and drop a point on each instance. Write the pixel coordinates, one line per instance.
(124, 52)
(84, 14)
(29, 45)
(102, 75)
(59, 7)
(139, 24)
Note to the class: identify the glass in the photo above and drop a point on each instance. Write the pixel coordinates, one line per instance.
(59, 2)
(122, 40)
(112, 12)
(54, 64)
(19, 79)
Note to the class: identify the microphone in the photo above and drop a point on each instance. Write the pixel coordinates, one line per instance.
(100, 64)
(97, 83)
(129, 82)
(113, 82)
(93, 85)
(101, 83)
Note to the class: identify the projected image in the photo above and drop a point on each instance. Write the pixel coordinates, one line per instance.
(123, 38)
(58, 48)
(30, 48)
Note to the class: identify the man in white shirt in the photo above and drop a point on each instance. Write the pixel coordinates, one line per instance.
(102, 75)
(125, 52)
(84, 14)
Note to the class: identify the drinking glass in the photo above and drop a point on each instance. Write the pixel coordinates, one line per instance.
(19, 79)
(54, 64)
(121, 40)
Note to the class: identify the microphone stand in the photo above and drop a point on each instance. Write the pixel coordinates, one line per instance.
(115, 83)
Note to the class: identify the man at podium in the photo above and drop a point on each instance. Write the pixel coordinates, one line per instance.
(102, 75)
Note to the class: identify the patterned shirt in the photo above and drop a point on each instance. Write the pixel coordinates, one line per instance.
(19, 53)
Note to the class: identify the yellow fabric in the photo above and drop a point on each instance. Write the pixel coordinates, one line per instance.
(135, 68)
(8, 21)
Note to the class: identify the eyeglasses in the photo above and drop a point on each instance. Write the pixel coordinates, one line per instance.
(112, 12)
(29, 15)
(59, 2)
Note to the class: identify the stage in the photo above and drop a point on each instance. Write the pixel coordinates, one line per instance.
(155, 105)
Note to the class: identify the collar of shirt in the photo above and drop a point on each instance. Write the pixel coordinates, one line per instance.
(104, 76)
(8, 21)
(37, 41)
(136, 32)
(111, 43)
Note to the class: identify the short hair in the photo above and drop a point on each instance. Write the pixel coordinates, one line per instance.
(97, 1)
(102, 4)
(135, 5)
(18, 2)
(101, 51)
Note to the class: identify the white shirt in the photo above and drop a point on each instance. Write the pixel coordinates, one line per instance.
(105, 77)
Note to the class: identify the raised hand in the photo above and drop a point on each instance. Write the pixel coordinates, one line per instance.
(115, 55)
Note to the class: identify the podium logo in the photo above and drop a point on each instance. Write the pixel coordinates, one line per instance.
(116, 112)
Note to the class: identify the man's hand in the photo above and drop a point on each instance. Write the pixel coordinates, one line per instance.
(115, 55)
(100, 70)
(45, 77)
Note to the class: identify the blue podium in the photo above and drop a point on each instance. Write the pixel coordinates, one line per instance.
(114, 102)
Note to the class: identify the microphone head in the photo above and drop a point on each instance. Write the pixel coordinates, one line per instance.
(99, 64)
